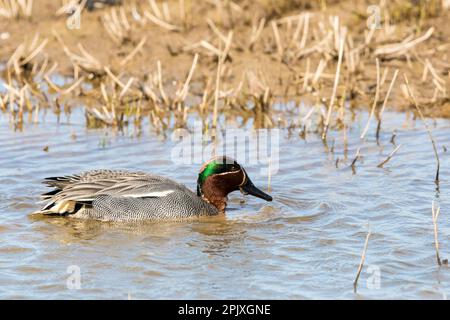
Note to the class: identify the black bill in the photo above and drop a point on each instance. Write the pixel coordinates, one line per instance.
(249, 188)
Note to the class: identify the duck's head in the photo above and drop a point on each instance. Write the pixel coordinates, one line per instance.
(222, 175)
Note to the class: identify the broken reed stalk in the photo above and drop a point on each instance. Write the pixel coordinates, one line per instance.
(216, 92)
(125, 89)
(297, 31)
(113, 77)
(380, 115)
(220, 63)
(305, 31)
(185, 90)
(35, 52)
(256, 33)
(277, 39)
(336, 81)
(402, 47)
(205, 44)
(375, 101)
(160, 85)
(134, 52)
(434, 73)
(73, 86)
(435, 216)
(389, 157)
(161, 23)
(363, 258)
(356, 158)
(155, 9)
(216, 30)
(16, 8)
(438, 164)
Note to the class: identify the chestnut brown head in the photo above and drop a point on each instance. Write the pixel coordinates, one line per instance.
(222, 175)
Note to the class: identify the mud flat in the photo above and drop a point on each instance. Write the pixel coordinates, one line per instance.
(164, 59)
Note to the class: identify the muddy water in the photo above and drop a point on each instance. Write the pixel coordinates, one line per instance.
(305, 244)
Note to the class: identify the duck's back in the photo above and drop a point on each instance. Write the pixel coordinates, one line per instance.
(114, 195)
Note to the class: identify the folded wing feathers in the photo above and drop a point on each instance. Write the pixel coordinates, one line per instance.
(84, 189)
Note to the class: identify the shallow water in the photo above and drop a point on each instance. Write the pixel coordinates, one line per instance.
(305, 244)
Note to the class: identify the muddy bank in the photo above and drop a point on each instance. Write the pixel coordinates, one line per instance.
(162, 54)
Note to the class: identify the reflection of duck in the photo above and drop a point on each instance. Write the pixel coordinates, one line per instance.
(126, 196)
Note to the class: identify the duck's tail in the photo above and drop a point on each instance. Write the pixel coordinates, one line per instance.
(53, 205)
(60, 208)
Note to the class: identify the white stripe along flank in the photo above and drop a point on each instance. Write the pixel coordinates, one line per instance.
(157, 194)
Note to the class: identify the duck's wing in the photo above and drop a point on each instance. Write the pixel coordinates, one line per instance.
(76, 192)
(90, 176)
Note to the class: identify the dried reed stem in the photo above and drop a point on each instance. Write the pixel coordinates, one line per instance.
(389, 157)
(380, 115)
(438, 164)
(113, 77)
(182, 95)
(256, 33)
(73, 86)
(216, 30)
(435, 216)
(375, 101)
(160, 22)
(216, 93)
(134, 52)
(357, 155)
(160, 84)
(277, 39)
(220, 63)
(363, 258)
(305, 31)
(35, 52)
(155, 9)
(404, 46)
(126, 88)
(336, 81)
(205, 44)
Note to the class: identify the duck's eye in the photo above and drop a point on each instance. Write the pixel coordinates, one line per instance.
(235, 168)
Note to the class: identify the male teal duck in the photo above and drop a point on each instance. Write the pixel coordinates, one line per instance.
(118, 195)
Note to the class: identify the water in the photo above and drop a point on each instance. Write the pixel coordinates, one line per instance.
(305, 244)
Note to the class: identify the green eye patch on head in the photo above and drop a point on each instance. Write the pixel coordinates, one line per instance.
(217, 166)
(228, 176)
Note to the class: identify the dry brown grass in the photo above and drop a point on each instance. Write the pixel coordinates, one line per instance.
(137, 57)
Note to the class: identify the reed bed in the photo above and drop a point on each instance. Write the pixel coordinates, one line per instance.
(15, 9)
(237, 59)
